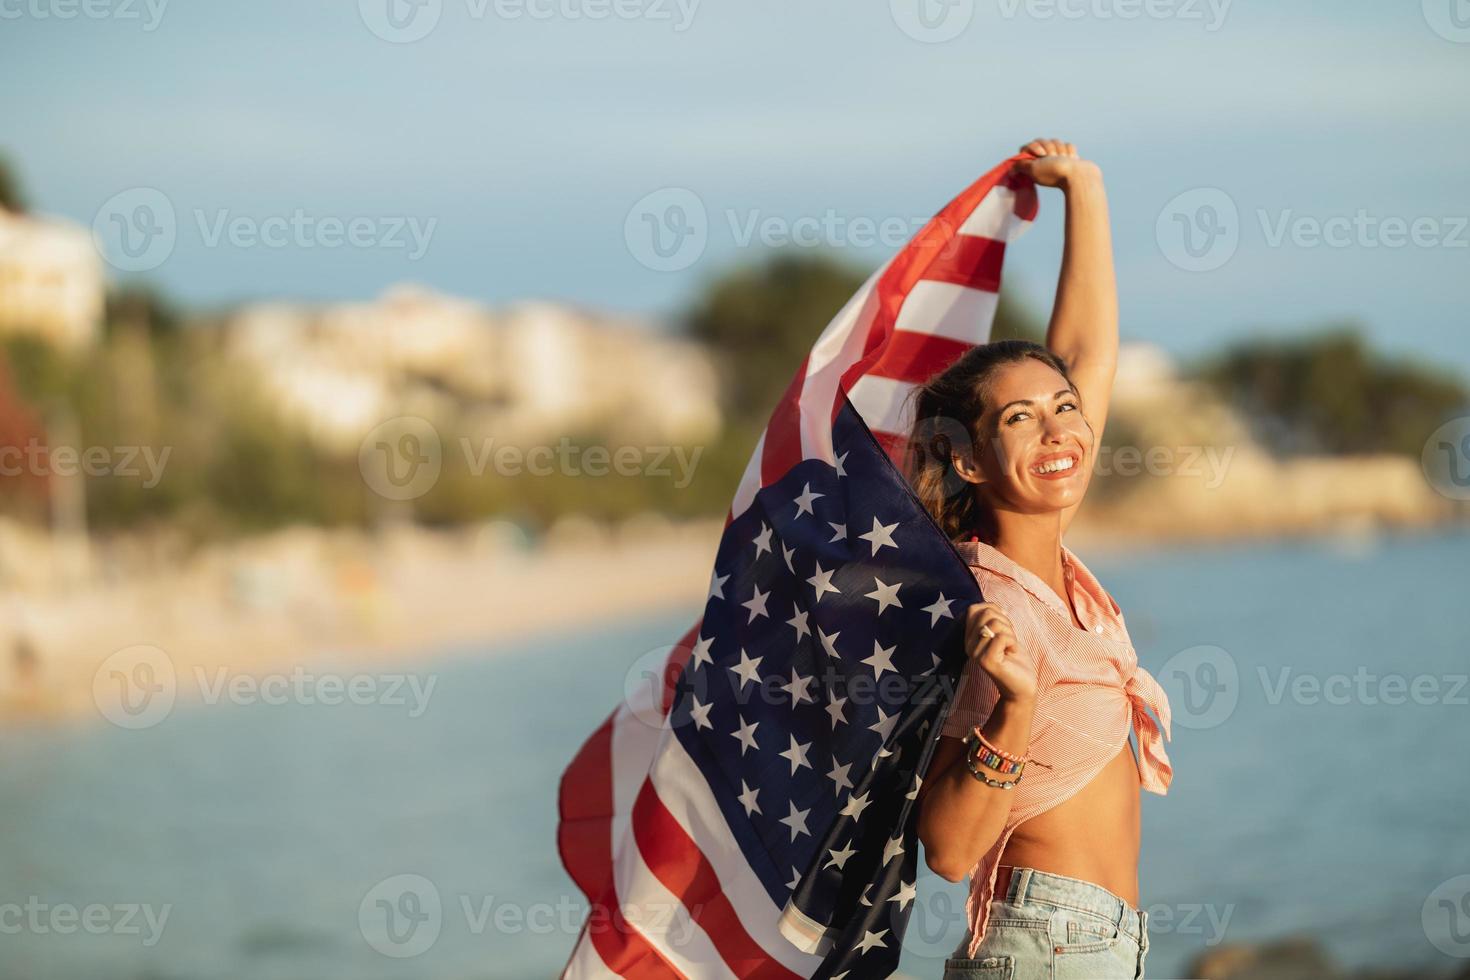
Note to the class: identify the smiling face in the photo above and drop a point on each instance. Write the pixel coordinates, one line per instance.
(1035, 446)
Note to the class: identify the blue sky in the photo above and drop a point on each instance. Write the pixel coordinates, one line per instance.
(521, 134)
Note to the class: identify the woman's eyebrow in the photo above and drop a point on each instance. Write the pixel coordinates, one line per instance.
(1065, 392)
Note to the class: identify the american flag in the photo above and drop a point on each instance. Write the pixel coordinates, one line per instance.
(751, 813)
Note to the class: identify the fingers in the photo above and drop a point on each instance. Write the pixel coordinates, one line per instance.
(1050, 148)
(988, 615)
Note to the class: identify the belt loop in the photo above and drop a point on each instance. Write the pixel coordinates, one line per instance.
(1020, 882)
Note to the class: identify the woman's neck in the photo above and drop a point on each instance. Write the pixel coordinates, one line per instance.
(1033, 541)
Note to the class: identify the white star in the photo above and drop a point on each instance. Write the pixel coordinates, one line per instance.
(763, 540)
(699, 654)
(884, 752)
(855, 806)
(884, 725)
(757, 604)
(838, 775)
(717, 585)
(700, 714)
(834, 711)
(871, 939)
(747, 799)
(746, 735)
(797, 689)
(822, 582)
(913, 794)
(887, 595)
(839, 532)
(867, 890)
(805, 500)
(796, 820)
(939, 610)
(797, 754)
(905, 894)
(746, 669)
(795, 878)
(798, 620)
(891, 850)
(882, 659)
(838, 857)
(829, 643)
(838, 465)
(880, 536)
(786, 554)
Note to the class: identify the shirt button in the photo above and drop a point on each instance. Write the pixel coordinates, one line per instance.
(1099, 627)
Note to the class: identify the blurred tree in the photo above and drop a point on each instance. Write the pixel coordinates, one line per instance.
(761, 320)
(140, 308)
(11, 198)
(1328, 393)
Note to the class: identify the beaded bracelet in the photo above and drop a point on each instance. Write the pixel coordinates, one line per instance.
(997, 758)
(972, 743)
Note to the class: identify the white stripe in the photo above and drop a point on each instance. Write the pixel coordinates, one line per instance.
(945, 309)
(995, 217)
(839, 348)
(884, 403)
(684, 792)
(651, 910)
(750, 481)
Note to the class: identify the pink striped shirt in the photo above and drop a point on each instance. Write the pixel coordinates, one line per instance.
(1090, 691)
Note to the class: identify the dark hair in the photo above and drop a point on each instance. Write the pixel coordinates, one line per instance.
(947, 410)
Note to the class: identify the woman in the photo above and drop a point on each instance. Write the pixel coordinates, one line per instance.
(1033, 790)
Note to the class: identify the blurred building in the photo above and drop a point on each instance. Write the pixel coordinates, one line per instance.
(51, 280)
(533, 372)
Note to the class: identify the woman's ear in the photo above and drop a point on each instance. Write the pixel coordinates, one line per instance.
(964, 463)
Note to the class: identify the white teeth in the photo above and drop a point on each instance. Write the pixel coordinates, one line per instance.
(1054, 466)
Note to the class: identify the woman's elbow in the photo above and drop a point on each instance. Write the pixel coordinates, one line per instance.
(947, 869)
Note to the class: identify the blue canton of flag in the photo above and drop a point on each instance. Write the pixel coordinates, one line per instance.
(809, 694)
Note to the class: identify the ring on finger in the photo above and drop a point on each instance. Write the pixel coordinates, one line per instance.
(987, 632)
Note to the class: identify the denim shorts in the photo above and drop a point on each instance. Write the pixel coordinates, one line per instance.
(1051, 927)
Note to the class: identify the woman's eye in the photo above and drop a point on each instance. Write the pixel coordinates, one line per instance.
(1066, 405)
(1018, 415)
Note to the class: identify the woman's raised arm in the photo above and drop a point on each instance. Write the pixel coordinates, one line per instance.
(1084, 320)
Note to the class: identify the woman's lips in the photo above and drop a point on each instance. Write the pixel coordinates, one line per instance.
(1066, 466)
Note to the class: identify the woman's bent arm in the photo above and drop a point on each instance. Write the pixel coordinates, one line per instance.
(960, 818)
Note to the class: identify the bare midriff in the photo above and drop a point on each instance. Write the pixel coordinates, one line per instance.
(1092, 835)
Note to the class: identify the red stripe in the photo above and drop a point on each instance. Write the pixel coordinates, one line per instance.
(916, 357)
(625, 951)
(969, 261)
(783, 433)
(585, 803)
(676, 860)
(965, 259)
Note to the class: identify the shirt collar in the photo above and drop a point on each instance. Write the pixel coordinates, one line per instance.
(982, 555)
